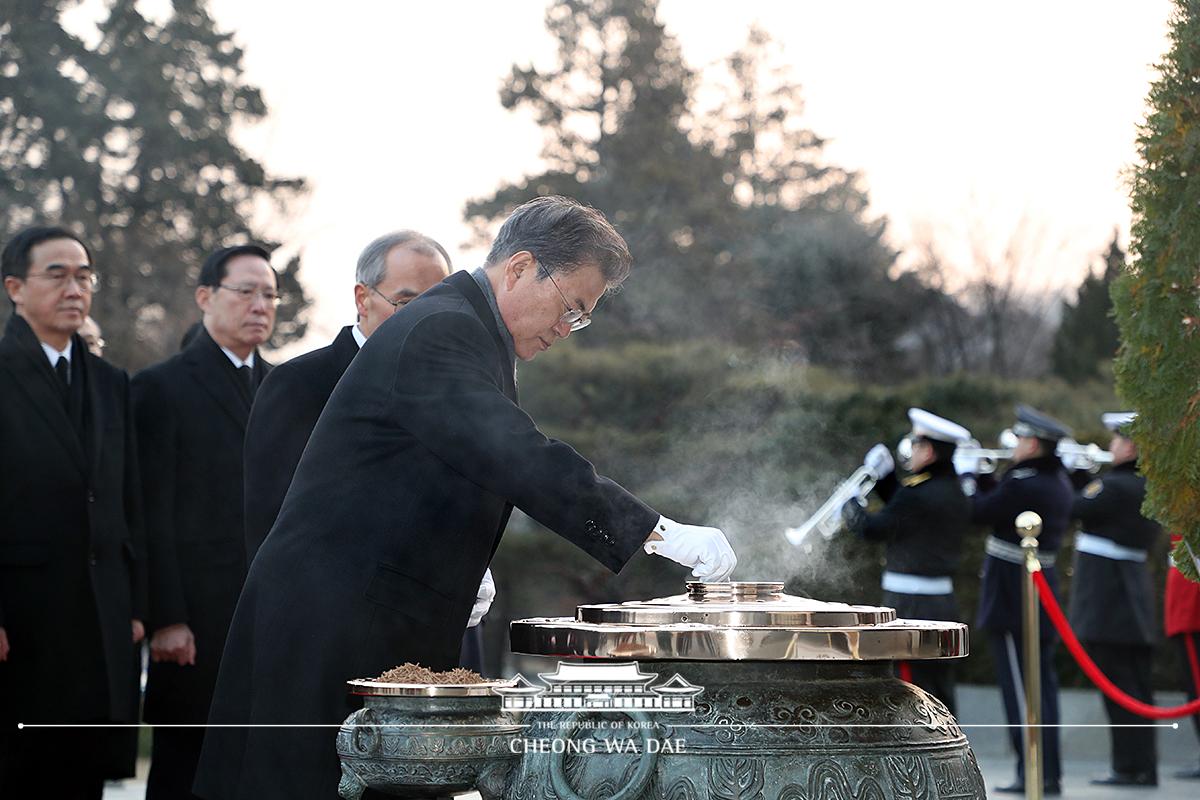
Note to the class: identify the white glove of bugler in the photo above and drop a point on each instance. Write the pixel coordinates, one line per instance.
(483, 599)
(879, 461)
(705, 550)
(1076, 458)
(966, 464)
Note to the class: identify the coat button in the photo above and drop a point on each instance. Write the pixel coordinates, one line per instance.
(92, 558)
(91, 496)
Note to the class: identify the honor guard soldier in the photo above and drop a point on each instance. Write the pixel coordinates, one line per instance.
(1112, 598)
(923, 525)
(1036, 481)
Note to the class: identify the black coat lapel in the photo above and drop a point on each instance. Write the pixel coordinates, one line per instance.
(26, 362)
(345, 348)
(77, 399)
(93, 409)
(261, 368)
(466, 285)
(215, 373)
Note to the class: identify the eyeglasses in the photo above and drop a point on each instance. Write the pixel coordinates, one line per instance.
(246, 293)
(87, 280)
(394, 303)
(578, 320)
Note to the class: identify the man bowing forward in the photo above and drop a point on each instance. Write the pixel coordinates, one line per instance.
(403, 493)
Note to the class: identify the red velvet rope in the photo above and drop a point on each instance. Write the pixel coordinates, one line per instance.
(1054, 612)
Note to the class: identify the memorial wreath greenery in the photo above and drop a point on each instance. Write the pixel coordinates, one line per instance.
(1157, 298)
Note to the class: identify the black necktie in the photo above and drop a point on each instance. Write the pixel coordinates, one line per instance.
(62, 369)
(247, 376)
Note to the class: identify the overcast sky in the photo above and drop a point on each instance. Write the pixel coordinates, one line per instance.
(961, 116)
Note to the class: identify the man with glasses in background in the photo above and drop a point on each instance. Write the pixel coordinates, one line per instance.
(191, 412)
(402, 495)
(72, 572)
(391, 271)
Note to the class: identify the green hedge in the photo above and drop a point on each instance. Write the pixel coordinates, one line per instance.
(709, 434)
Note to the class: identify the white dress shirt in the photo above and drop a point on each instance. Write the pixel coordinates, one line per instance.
(237, 362)
(54, 355)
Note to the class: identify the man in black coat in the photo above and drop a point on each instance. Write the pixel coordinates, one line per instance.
(1036, 481)
(191, 412)
(1112, 599)
(72, 570)
(391, 271)
(923, 525)
(402, 495)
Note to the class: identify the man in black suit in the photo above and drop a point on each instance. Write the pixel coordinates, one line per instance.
(191, 412)
(72, 572)
(391, 271)
(401, 497)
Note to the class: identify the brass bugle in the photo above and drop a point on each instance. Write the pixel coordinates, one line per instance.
(828, 519)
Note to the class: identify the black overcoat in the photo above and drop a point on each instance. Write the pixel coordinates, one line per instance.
(397, 505)
(923, 524)
(1112, 601)
(191, 413)
(72, 568)
(1038, 484)
(285, 411)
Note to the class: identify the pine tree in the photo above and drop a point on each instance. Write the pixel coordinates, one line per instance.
(612, 110)
(1087, 334)
(1156, 298)
(739, 229)
(128, 143)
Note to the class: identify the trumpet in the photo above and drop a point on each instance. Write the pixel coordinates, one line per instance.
(1083, 456)
(828, 519)
(1075, 456)
(986, 460)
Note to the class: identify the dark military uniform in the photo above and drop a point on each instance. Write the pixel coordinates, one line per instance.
(1041, 485)
(923, 524)
(1112, 603)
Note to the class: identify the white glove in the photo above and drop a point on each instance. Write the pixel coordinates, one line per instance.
(1074, 460)
(965, 464)
(483, 599)
(706, 550)
(879, 461)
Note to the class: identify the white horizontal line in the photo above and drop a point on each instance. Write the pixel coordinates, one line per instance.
(23, 725)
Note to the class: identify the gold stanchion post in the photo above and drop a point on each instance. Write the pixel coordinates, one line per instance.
(1029, 526)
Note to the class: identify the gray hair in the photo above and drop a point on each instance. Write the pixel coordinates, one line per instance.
(563, 235)
(372, 263)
